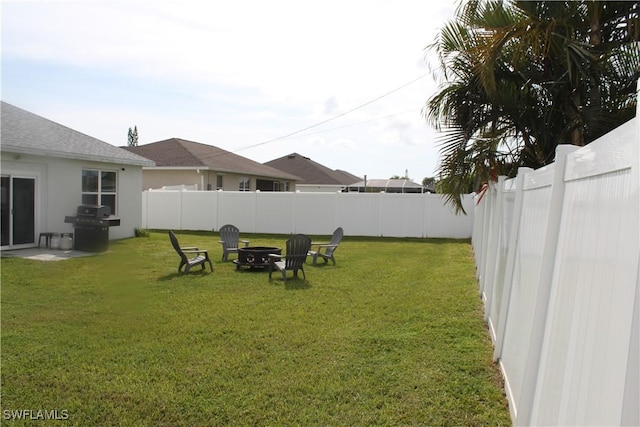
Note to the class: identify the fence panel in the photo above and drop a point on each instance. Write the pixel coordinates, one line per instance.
(401, 215)
(199, 211)
(441, 220)
(360, 214)
(563, 304)
(164, 210)
(237, 208)
(274, 213)
(505, 207)
(315, 213)
(588, 332)
(524, 287)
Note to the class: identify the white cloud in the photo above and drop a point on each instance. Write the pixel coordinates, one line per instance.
(234, 74)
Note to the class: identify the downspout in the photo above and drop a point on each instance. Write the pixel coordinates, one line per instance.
(201, 179)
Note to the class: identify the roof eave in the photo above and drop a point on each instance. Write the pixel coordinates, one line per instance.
(76, 156)
(224, 170)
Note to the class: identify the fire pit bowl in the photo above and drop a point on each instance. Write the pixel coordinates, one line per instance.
(255, 256)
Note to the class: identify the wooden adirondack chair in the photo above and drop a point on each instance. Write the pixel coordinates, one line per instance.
(326, 250)
(230, 240)
(296, 254)
(201, 256)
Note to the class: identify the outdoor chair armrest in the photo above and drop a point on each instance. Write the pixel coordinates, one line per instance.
(188, 248)
(326, 245)
(246, 242)
(195, 251)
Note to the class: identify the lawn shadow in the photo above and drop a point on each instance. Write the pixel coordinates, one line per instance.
(172, 276)
(322, 265)
(296, 284)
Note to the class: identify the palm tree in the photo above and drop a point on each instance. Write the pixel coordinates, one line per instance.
(522, 77)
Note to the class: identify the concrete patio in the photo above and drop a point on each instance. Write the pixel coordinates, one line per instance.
(44, 254)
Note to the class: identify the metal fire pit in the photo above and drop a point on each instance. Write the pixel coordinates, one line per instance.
(255, 256)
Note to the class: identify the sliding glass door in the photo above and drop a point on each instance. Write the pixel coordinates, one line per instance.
(18, 211)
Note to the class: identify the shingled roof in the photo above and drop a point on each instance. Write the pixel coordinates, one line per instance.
(312, 172)
(23, 132)
(176, 152)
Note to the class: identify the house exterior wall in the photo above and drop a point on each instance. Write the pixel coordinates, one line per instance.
(158, 178)
(154, 178)
(59, 191)
(319, 188)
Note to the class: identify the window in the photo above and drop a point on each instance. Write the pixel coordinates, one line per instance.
(280, 186)
(243, 184)
(219, 182)
(99, 188)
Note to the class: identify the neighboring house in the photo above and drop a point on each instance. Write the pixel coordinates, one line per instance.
(48, 170)
(205, 167)
(387, 185)
(314, 176)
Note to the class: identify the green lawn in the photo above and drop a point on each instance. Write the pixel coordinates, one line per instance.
(392, 335)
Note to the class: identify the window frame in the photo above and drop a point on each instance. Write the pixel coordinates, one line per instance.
(244, 183)
(101, 189)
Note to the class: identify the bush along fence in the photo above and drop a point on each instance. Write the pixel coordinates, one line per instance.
(558, 258)
(360, 214)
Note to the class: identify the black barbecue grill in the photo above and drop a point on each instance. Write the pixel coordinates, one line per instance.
(91, 227)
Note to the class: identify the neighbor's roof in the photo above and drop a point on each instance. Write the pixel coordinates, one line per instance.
(312, 172)
(387, 183)
(176, 152)
(23, 132)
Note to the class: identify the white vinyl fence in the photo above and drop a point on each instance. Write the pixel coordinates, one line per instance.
(558, 262)
(360, 214)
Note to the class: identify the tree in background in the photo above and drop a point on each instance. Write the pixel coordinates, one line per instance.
(406, 175)
(429, 183)
(521, 77)
(133, 137)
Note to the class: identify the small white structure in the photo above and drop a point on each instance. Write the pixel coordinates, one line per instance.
(400, 185)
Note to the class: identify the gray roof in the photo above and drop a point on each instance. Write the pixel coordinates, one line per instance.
(312, 172)
(176, 152)
(387, 183)
(27, 133)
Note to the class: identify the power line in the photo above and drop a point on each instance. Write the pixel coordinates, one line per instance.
(354, 124)
(289, 135)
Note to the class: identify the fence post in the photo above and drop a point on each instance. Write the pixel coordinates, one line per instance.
(486, 230)
(532, 364)
(476, 233)
(494, 238)
(180, 220)
(145, 209)
(510, 262)
(630, 411)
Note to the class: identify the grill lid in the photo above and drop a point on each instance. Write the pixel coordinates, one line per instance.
(93, 211)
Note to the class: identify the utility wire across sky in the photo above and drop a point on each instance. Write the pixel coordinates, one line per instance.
(290, 135)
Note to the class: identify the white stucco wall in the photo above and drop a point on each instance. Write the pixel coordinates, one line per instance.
(59, 190)
(157, 178)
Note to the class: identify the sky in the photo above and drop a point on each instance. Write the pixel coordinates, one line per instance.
(343, 82)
